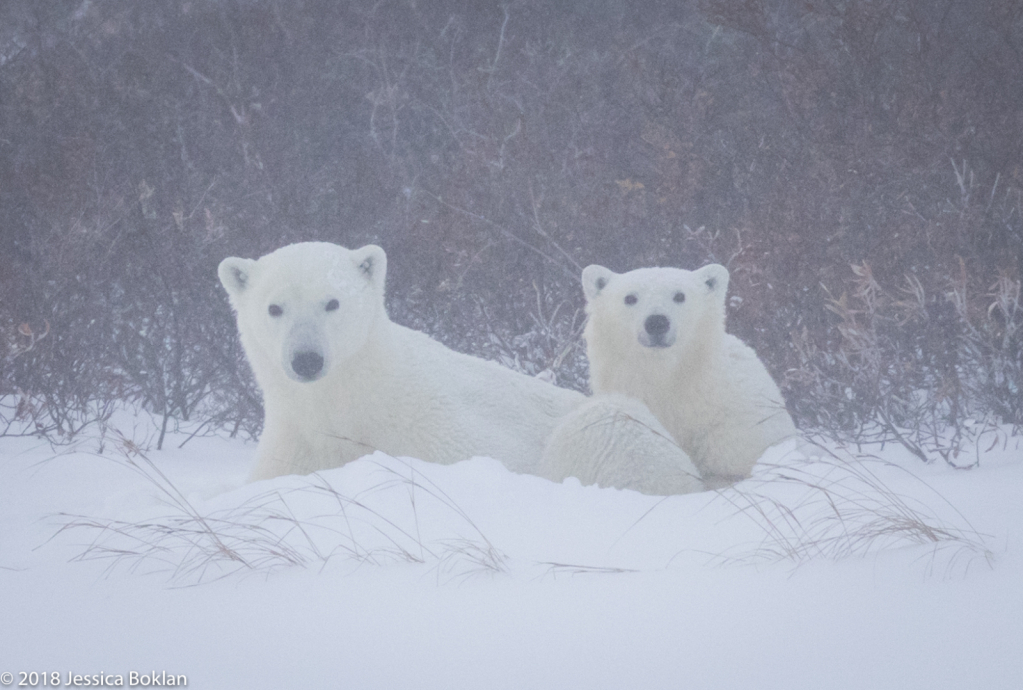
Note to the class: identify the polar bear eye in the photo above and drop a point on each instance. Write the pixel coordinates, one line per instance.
(332, 305)
(631, 299)
(680, 297)
(275, 310)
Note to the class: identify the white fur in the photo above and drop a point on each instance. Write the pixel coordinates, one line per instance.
(707, 387)
(383, 386)
(340, 379)
(613, 440)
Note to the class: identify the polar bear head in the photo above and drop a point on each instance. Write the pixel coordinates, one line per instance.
(306, 307)
(653, 313)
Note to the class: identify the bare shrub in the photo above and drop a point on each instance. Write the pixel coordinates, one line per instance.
(933, 371)
(493, 151)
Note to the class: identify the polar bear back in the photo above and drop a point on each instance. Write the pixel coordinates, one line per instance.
(614, 440)
(421, 399)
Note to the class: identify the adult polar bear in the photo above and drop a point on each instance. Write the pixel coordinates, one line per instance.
(340, 380)
(658, 335)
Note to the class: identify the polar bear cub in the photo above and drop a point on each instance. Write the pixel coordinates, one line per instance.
(658, 335)
(340, 380)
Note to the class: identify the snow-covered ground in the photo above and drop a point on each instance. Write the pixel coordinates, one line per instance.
(867, 572)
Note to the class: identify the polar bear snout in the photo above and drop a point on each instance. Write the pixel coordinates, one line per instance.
(657, 324)
(657, 331)
(306, 365)
(304, 356)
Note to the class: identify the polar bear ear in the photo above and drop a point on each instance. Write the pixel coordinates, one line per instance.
(372, 263)
(715, 278)
(595, 278)
(236, 275)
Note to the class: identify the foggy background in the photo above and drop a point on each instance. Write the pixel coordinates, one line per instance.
(857, 165)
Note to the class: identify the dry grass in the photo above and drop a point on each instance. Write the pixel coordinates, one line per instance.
(554, 569)
(835, 508)
(805, 509)
(264, 534)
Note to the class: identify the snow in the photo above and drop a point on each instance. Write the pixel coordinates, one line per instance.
(396, 573)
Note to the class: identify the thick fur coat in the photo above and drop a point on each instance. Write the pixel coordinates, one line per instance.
(658, 335)
(341, 380)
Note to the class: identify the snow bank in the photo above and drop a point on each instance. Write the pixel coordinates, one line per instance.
(398, 573)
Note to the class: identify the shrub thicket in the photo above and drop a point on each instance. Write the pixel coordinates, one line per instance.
(856, 165)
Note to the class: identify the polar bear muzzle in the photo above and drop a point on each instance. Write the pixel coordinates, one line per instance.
(656, 332)
(304, 356)
(306, 365)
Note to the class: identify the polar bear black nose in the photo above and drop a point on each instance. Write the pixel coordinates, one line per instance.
(657, 324)
(307, 364)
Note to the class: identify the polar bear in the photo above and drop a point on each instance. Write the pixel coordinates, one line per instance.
(588, 443)
(658, 335)
(340, 379)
